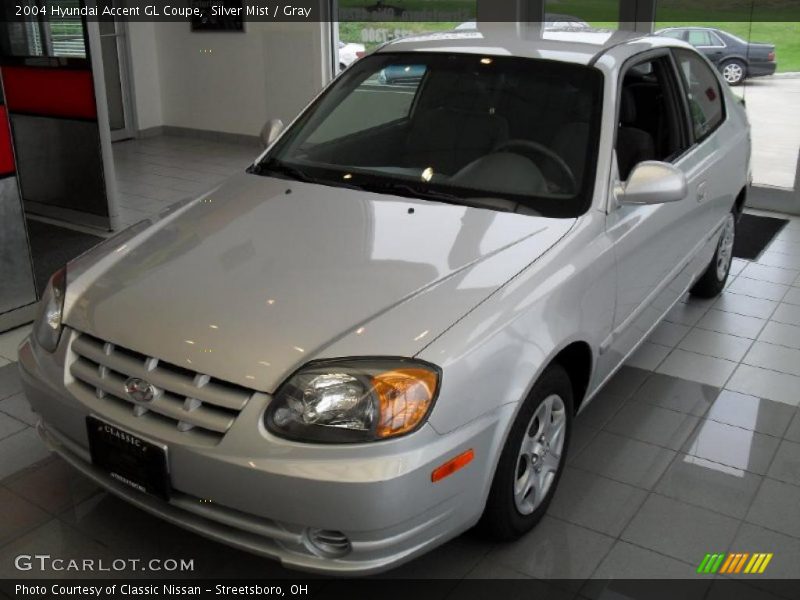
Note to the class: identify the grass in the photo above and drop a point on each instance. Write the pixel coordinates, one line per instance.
(374, 33)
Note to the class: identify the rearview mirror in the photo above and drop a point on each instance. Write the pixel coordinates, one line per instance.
(653, 182)
(270, 132)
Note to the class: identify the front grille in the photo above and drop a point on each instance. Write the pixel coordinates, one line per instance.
(196, 404)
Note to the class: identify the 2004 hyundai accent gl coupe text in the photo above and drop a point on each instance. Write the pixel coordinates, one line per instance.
(379, 335)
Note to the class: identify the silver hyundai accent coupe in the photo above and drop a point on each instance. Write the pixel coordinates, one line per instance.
(379, 335)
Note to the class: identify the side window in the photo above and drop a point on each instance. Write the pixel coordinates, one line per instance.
(698, 37)
(651, 124)
(716, 40)
(703, 93)
(674, 33)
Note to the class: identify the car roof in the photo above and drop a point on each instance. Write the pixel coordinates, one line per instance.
(686, 27)
(530, 41)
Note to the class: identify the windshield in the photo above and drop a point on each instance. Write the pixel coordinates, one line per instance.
(513, 134)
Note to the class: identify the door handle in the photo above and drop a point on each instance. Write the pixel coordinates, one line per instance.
(702, 191)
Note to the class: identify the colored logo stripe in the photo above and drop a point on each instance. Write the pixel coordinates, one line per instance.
(735, 562)
(728, 563)
(710, 563)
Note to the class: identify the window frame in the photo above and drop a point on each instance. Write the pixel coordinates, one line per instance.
(715, 36)
(680, 31)
(684, 85)
(675, 98)
(43, 23)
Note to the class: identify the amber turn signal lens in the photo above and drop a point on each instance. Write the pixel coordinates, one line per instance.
(452, 465)
(404, 395)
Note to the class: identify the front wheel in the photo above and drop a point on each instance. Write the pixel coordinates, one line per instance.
(532, 459)
(733, 71)
(712, 281)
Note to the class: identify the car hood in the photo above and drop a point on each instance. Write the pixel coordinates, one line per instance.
(261, 275)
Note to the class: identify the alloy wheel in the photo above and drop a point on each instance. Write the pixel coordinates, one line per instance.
(539, 456)
(733, 73)
(725, 250)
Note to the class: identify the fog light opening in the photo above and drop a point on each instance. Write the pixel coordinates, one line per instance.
(328, 543)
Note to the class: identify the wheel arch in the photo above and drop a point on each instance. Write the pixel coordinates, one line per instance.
(735, 58)
(739, 203)
(577, 360)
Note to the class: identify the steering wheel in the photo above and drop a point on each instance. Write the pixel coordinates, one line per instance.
(525, 147)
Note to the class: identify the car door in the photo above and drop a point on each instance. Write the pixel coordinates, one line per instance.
(708, 43)
(718, 49)
(719, 151)
(652, 242)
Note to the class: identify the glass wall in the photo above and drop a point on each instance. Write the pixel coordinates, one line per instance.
(38, 33)
(756, 46)
(754, 43)
(364, 26)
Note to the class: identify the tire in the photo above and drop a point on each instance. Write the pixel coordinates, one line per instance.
(511, 512)
(712, 281)
(733, 71)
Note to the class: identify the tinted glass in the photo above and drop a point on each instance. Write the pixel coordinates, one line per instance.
(38, 34)
(385, 97)
(699, 38)
(469, 126)
(678, 34)
(715, 39)
(703, 93)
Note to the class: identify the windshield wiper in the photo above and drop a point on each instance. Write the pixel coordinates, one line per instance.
(396, 188)
(273, 165)
(410, 191)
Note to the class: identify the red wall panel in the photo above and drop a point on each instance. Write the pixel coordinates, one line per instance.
(6, 151)
(50, 92)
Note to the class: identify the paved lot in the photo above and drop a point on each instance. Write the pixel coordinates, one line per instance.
(772, 105)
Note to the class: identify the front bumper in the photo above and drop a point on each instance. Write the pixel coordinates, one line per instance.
(267, 495)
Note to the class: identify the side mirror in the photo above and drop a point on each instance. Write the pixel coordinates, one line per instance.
(653, 182)
(270, 132)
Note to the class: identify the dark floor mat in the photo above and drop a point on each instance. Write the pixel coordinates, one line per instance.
(754, 233)
(52, 247)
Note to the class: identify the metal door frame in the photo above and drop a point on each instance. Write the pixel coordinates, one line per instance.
(124, 63)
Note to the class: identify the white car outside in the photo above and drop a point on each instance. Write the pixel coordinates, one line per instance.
(349, 53)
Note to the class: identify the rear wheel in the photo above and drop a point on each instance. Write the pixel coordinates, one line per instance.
(733, 71)
(712, 282)
(532, 459)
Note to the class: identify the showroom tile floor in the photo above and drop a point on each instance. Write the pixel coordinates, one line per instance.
(693, 447)
(156, 172)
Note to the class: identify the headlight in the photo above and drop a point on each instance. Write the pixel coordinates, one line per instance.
(354, 400)
(48, 323)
